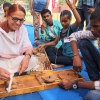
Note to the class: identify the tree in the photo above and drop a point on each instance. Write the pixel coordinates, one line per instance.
(2, 1)
(27, 1)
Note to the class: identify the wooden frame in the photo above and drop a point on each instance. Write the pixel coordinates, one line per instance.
(35, 82)
(43, 61)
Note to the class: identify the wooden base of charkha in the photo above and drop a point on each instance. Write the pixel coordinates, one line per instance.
(38, 80)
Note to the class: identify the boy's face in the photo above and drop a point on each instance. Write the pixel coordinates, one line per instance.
(47, 18)
(95, 27)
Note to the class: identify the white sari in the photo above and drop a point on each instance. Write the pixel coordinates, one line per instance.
(12, 47)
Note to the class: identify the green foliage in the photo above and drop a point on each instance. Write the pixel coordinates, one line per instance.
(27, 1)
(11, 1)
(2, 1)
(61, 2)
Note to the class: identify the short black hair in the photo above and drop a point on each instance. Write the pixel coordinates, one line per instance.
(6, 4)
(95, 14)
(66, 12)
(45, 11)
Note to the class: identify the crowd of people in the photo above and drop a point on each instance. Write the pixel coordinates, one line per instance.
(60, 40)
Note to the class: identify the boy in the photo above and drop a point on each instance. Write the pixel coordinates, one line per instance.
(49, 29)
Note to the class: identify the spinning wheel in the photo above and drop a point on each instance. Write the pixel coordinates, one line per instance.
(38, 80)
(49, 79)
(40, 54)
(68, 75)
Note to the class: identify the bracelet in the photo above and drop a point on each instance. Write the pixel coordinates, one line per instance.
(28, 55)
(76, 55)
(73, 8)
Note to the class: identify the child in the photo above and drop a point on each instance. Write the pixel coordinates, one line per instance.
(49, 29)
(6, 6)
(58, 56)
(91, 56)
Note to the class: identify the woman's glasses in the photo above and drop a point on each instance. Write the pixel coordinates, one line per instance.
(16, 19)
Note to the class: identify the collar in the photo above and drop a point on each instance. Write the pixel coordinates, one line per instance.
(54, 24)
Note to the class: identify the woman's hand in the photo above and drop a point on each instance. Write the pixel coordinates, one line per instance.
(77, 64)
(4, 74)
(35, 51)
(24, 64)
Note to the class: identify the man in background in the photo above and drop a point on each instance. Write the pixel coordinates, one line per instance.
(83, 10)
(36, 6)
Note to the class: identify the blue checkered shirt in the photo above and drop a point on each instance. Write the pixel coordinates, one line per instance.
(83, 35)
(85, 2)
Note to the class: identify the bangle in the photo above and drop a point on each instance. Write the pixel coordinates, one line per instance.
(28, 55)
(73, 8)
(76, 55)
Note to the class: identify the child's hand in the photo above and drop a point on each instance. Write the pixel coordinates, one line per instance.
(70, 3)
(40, 47)
(43, 27)
(77, 63)
(66, 84)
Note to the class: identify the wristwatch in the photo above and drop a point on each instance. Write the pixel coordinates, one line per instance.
(75, 85)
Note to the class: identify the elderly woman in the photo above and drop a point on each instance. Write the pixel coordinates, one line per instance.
(15, 46)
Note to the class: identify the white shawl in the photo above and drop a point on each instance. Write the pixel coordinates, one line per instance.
(10, 48)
